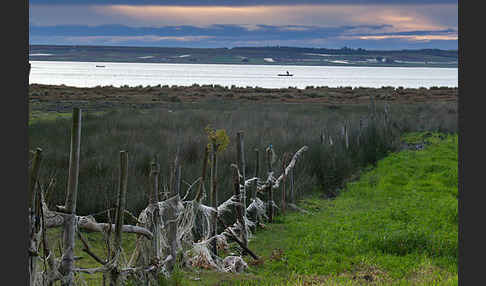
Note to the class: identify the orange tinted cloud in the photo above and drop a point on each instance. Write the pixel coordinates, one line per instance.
(401, 17)
(424, 38)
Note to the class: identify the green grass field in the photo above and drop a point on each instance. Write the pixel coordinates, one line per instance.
(396, 225)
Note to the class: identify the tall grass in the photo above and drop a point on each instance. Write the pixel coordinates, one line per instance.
(159, 132)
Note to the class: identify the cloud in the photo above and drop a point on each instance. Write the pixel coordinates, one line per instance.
(237, 2)
(308, 23)
(128, 39)
(401, 17)
(231, 35)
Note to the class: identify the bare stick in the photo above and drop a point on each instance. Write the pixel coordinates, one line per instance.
(203, 176)
(234, 236)
(67, 261)
(87, 249)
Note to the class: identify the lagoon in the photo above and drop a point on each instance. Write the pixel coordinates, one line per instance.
(91, 74)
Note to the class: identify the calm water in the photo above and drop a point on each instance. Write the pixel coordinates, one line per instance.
(86, 74)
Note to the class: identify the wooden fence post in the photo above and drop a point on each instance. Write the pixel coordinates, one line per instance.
(214, 197)
(346, 134)
(270, 184)
(35, 207)
(373, 106)
(154, 200)
(239, 208)
(257, 171)
(240, 158)
(120, 211)
(173, 203)
(67, 260)
(154, 182)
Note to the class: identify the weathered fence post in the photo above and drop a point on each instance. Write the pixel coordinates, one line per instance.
(257, 171)
(156, 222)
(154, 182)
(67, 260)
(270, 183)
(372, 106)
(35, 207)
(239, 208)
(346, 134)
(240, 157)
(120, 211)
(173, 203)
(254, 188)
(214, 196)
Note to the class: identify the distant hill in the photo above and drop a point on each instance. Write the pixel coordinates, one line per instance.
(248, 55)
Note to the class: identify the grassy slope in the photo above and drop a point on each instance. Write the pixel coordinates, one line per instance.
(397, 225)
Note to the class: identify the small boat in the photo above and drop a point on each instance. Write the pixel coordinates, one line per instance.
(285, 74)
(100, 66)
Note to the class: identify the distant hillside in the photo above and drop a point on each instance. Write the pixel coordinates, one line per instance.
(248, 55)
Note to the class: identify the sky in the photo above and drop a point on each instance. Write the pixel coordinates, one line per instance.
(372, 25)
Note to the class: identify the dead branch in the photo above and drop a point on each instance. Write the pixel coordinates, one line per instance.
(235, 237)
(88, 223)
